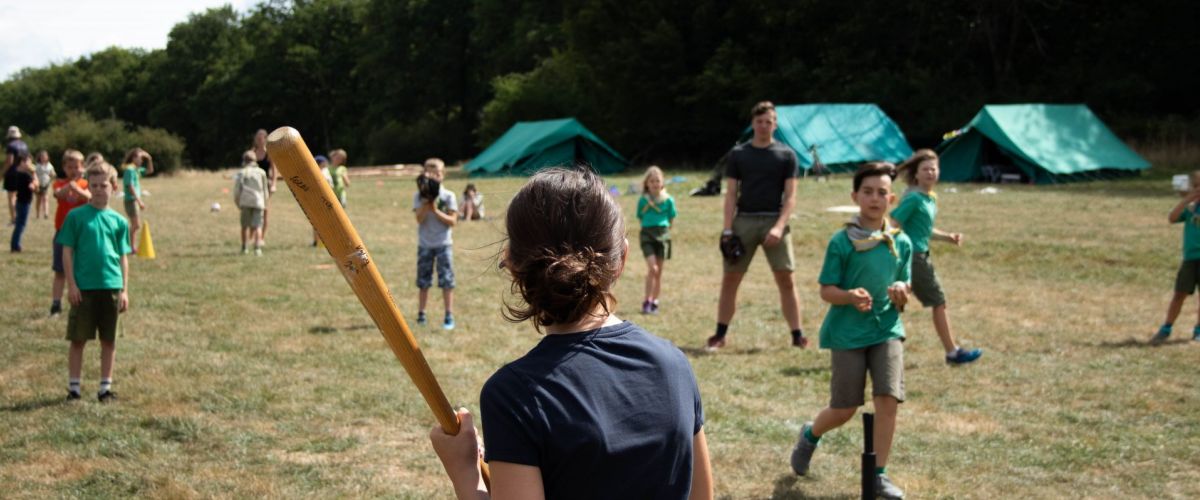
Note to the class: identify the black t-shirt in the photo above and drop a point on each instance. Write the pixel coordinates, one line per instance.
(762, 172)
(18, 150)
(21, 180)
(608, 413)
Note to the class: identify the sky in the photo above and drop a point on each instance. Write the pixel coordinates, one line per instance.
(37, 33)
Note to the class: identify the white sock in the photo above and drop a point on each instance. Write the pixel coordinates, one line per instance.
(105, 385)
(73, 385)
(953, 354)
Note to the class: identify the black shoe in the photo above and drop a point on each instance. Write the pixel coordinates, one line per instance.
(55, 310)
(107, 397)
(73, 396)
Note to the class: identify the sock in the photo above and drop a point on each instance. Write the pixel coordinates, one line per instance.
(105, 385)
(879, 471)
(797, 333)
(57, 304)
(449, 316)
(655, 302)
(810, 437)
(1165, 329)
(953, 354)
(73, 385)
(1196, 330)
(722, 328)
(420, 315)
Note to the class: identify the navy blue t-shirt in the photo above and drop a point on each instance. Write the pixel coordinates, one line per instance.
(18, 150)
(607, 413)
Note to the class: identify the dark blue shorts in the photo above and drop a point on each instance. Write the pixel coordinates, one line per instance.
(57, 264)
(443, 258)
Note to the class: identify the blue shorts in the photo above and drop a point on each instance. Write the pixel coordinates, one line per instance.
(443, 257)
(57, 263)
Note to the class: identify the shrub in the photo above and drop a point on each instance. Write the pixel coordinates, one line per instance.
(111, 137)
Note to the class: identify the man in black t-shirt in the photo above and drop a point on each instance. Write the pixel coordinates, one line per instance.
(15, 151)
(759, 197)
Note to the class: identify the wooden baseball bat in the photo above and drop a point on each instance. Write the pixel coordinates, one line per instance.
(298, 168)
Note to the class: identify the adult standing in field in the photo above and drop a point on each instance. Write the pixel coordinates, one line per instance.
(268, 166)
(15, 150)
(759, 197)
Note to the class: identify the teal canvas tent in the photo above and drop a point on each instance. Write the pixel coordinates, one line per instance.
(531, 146)
(1036, 143)
(842, 135)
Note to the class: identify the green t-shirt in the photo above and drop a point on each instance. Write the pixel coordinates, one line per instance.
(1191, 233)
(131, 176)
(915, 214)
(98, 239)
(339, 186)
(656, 218)
(875, 270)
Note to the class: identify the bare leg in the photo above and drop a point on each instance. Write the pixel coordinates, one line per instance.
(941, 323)
(651, 267)
(264, 226)
(75, 359)
(108, 351)
(830, 419)
(658, 279)
(728, 301)
(1174, 307)
(12, 206)
(422, 298)
(885, 427)
(258, 236)
(245, 236)
(134, 223)
(448, 300)
(788, 300)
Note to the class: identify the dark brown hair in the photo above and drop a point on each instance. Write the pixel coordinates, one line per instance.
(908, 168)
(761, 107)
(873, 169)
(566, 238)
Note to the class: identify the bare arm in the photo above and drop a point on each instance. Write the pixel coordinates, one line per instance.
(702, 485)
(73, 294)
(955, 238)
(1192, 197)
(447, 218)
(789, 204)
(123, 297)
(149, 164)
(858, 297)
(731, 192)
(423, 211)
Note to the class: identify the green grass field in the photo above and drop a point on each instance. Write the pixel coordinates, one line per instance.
(263, 377)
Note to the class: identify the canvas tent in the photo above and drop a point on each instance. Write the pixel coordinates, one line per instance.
(531, 146)
(842, 134)
(1036, 143)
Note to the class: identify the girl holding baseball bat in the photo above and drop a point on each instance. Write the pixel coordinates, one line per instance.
(599, 407)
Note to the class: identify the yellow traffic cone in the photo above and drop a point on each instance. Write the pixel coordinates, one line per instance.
(145, 244)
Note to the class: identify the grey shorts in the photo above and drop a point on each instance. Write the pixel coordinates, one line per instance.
(131, 207)
(885, 363)
(925, 282)
(1188, 277)
(752, 230)
(443, 258)
(96, 314)
(252, 217)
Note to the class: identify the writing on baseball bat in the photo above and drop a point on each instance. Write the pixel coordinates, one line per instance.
(299, 183)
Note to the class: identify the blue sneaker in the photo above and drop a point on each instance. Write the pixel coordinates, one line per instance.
(963, 356)
(421, 318)
(449, 323)
(1163, 334)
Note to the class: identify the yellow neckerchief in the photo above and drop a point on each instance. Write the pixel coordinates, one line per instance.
(866, 239)
(931, 193)
(651, 204)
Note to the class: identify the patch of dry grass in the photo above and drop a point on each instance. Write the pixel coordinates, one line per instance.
(263, 377)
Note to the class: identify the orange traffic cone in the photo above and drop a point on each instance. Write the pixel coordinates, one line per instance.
(145, 244)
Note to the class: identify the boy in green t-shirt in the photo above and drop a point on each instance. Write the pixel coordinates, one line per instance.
(341, 174)
(865, 278)
(1188, 277)
(96, 246)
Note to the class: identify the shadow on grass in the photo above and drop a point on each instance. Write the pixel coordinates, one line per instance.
(788, 486)
(328, 330)
(1135, 343)
(795, 371)
(34, 404)
(701, 352)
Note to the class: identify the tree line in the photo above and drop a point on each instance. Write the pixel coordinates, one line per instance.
(660, 80)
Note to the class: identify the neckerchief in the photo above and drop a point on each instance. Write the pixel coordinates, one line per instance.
(866, 239)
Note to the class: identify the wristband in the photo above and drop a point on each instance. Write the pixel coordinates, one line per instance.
(727, 232)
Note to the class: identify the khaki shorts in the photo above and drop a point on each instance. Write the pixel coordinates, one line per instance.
(97, 313)
(252, 217)
(131, 207)
(885, 363)
(1188, 277)
(656, 242)
(925, 283)
(752, 230)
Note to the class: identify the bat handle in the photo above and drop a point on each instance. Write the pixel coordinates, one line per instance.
(868, 457)
(483, 466)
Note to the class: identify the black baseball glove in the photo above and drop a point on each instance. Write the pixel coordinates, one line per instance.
(428, 187)
(732, 248)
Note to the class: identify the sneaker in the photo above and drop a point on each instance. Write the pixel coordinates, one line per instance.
(107, 397)
(963, 356)
(73, 396)
(55, 310)
(885, 489)
(449, 323)
(258, 252)
(421, 319)
(654, 307)
(803, 451)
(800, 341)
(646, 307)
(245, 251)
(713, 343)
(1161, 336)
(1195, 336)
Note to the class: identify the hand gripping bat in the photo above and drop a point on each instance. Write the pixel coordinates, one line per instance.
(295, 162)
